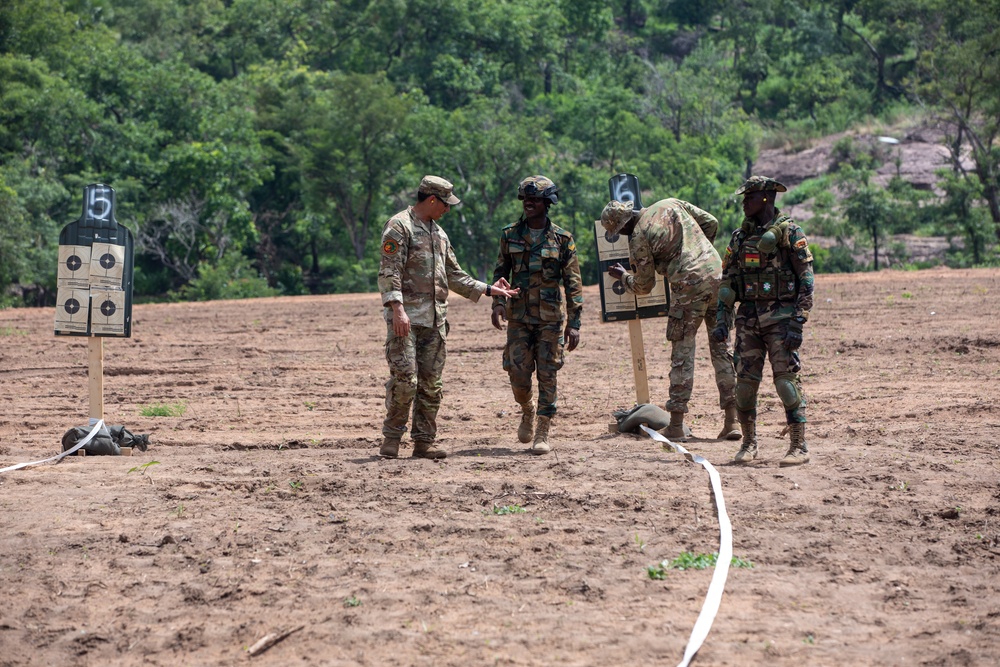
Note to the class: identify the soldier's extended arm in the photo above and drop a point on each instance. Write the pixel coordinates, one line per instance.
(573, 285)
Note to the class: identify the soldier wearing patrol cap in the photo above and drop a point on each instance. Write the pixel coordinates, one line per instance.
(417, 269)
(674, 238)
(768, 269)
(540, 260)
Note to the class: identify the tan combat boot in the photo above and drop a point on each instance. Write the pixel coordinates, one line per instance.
(389, 448)
(797, 453)
(427, 450)
(541, 444)
(676, 430)
(731, 427)
(526, 431)
(748, 452)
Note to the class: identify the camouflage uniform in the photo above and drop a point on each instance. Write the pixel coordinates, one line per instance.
(543, 270)
(674, 238)
(772, 288)
(418, 268)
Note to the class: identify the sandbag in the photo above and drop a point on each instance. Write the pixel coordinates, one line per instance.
(650, 415)
(108, 441)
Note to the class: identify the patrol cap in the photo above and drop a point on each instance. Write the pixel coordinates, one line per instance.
(616, 215)
(761, 183)
(440, 188)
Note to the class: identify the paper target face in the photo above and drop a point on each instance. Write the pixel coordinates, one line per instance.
(74, 266)
(610, 247)
(658, 297)
(72, 310)
(616, 298)
(107, 265)
(108, 317)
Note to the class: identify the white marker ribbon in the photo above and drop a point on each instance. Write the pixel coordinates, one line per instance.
(90, 436)
(713, 599)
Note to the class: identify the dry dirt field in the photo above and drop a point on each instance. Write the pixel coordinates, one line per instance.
(267, 510)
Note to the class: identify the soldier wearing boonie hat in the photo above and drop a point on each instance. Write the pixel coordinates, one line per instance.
(540, 259)
(417, 270)
(768, 269)
(674, 238)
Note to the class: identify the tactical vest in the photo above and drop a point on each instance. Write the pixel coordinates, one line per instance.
(765, 276)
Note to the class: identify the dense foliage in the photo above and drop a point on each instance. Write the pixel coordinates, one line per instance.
(267, 140)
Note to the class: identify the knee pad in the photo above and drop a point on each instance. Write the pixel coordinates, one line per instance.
(788, 390)
(746, 395)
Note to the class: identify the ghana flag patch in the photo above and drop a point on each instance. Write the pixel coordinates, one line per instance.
(390, 247)
(751, 259)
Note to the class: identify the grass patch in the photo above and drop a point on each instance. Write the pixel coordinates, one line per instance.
(11, 331)
(508, 509)
(690, 561)
(166, 410)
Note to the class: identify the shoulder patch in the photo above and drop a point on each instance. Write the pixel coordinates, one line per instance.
(390, 247)
(801, 243)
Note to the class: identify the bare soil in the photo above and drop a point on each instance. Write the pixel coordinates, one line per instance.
(267, 510)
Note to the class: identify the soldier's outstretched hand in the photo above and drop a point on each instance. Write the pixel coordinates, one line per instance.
(503, 288)
(616, 271)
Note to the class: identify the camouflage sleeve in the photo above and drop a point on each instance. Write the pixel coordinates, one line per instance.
(802, 264)
(395, 247)
(573, 284)
(708, 222)
(725, 313)
(460, 282)
(643, 278)
(502, 269)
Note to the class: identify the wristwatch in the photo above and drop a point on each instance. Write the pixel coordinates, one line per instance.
(489, 290)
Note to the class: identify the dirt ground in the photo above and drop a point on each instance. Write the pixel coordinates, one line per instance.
(267, 510)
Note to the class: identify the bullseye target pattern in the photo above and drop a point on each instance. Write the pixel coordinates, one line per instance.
(74, 266)
(108, 315)
(72, 309)
(107, 262)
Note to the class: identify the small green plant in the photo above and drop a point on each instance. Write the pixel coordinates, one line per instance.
(902, 486)
(11, 331)
(690, 561)
(352, 601)
(809, 640)
(296, 485)
(639, 542)
(142, 468)
(166, 410)
(179, 510)
(907, 295)
(508, 509)
(310, 405)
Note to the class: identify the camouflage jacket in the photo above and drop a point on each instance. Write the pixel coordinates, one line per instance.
(418, 267)
(777, 284)
(673, 238)
(540, 270)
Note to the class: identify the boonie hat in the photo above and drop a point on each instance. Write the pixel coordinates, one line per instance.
(761, 183)
(440, 188)
(616, 215)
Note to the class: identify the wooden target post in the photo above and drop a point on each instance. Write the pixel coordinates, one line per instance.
(617, 304)
(94, 280)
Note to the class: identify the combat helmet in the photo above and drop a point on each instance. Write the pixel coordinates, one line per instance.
(538, 186)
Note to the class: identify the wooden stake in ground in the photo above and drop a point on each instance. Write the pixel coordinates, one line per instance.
(638, 361)
(270, 639)
(95, 375)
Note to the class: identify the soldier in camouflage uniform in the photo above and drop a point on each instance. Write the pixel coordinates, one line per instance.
(768, 269)
(674, 238)
(539, 258)
(417, 270)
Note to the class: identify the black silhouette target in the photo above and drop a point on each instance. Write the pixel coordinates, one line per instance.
(72, 306)
(108, 308)
(108, 261)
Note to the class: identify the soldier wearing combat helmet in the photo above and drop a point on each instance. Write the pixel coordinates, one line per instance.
(540, 260)
(768, 269)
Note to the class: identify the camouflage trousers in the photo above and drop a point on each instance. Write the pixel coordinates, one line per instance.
(688, 309)
(416, 363)
(754, 342)
(534, 349)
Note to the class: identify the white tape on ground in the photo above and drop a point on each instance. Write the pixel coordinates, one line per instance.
(713, 598)
(90, 436)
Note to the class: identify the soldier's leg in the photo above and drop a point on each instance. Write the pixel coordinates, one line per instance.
(431, 353)
(725, 378)
(785, 366)
(400, 389)
(748, 354)
(549, 356)
(519, 362)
